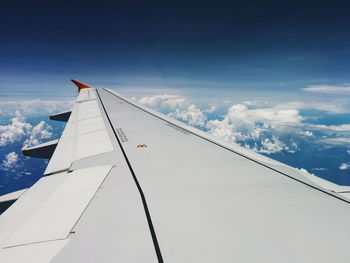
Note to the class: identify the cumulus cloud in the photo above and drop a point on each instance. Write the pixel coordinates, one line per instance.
(344, 166)
(261, 126)
(192, 115)
(328, 89)
(307, 133)
(14, 131)
(19, 129)
(37, 134)
(273, 145)
(178, 107)
(164, 101)
(10, 160)
(256, 125)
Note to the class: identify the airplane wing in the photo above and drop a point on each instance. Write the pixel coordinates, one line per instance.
(127, 184)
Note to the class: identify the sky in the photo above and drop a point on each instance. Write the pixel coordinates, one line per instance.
(272, 76)
(256, 45)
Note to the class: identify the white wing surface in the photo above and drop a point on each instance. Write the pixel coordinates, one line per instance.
(128, 184)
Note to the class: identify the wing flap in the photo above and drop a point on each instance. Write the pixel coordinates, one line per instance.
(56, 203)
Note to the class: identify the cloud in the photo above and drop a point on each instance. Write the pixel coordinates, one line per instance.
(256, 125)
(211, 109)
(19, 129)
(328, 89)
(320, 169)
(192, 115)
(10, 160)
(273, 145)
(178, 107)
(34, 107)
(336, 141)
(307, 133)
(344, 166)
(332, 128)
(258, 129)
(332, 106)
(164, 101)
(14, 131)
(39, 132)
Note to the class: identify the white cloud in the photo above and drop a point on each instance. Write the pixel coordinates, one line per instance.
(192, 115)
(332, 128)
(164, 101)
(328, 89)
(344, 166)
(336, 141)
(34, 107)
(320, 169)
(14, 131)
(348, 151)
(332, 106)
(257, 125)
(37, 134)
(262, 125)
(273, 145)
(10, 160)
(211, 109)
(19, 129)
(177, 107)
(307, 133)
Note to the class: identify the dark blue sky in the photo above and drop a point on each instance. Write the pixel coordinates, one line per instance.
(251, 44)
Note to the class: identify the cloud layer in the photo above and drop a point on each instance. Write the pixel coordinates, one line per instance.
(260, 127)
(328, 89)
(29, 108)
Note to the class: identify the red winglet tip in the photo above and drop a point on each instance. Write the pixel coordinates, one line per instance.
(80, 85)
(24, 152)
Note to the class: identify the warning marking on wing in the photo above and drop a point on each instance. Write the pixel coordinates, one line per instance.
(141, 146)
(121, 135)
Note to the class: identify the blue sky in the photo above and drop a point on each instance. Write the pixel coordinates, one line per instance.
(255, 45)
(268, 75)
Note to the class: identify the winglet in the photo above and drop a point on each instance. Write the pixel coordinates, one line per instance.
(80, 85)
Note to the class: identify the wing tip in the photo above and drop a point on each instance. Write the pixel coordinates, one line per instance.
(80, 85)
(25, 152)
